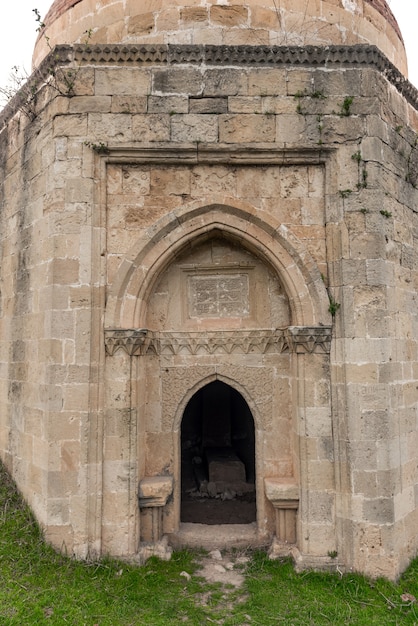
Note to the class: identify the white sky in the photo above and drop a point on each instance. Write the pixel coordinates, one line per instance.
(18, 33)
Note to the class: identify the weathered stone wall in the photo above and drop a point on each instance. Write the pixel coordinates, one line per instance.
(48, 297)
(308, 172)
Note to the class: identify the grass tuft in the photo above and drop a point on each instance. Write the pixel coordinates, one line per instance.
(40, 586)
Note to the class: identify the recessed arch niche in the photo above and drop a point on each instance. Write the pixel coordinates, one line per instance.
(211, 318)
(217, 283)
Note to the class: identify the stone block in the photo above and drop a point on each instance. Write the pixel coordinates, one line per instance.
(379, 511)
(194, 15)
(224, 82)
(290, 128)
(151, 127)
(64, 271)
(70, 125)
(208, 105)
(78, 190)
(363, 455)
(262, 17)
(375, 425)
(76, 397)
(321, 507)
(142, 24)
(128, 104)
(70, 456)
(247, 128)
(122, 81)
(103, 128)
(213, 36)
(188, 82)
(196, 128)
(222, 15)
(244, 104)
(171, 105)
(216, 179)
(251, 185)
(88, 104)
(160, 452)
(298, 82)
(167, 20)
(170, 181)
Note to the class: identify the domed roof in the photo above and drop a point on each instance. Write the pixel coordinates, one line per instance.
(249, 22)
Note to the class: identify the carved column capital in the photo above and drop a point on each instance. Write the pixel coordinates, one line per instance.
(154, 491)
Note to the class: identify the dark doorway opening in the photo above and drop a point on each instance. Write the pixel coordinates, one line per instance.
(218, 458)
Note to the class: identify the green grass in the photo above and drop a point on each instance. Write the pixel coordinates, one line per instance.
(39, 586)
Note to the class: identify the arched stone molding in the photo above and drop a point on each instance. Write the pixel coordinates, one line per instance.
(217, 376)
(259, 232)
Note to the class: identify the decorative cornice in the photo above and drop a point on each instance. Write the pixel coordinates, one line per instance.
(263, 56)
(296, 339)
(192, 54)
(218, 56)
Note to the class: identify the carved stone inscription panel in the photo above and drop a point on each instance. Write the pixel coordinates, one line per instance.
(218, 295)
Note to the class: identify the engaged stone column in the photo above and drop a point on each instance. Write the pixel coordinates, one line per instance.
(153, 495)
(284, 496)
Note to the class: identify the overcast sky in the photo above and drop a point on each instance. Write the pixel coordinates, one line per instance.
(18, 33)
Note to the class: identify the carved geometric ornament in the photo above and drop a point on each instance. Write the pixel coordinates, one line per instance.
(296, 339)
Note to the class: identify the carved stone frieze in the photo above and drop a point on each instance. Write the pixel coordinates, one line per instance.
(298, 339)
(130, 340)
(118, 54)
(306, 339)
(173, 54)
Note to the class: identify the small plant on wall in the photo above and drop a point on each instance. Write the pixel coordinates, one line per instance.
(362, 171)
(333, 306)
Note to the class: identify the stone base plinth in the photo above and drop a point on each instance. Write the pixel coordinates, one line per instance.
(153, 495)
(284, 496)
(160, 549)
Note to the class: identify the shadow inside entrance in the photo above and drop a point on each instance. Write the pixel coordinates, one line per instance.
(218, 458)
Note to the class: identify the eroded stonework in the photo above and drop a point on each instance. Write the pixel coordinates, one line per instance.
(209, 260)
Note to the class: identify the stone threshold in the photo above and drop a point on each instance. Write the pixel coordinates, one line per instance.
(218, 536)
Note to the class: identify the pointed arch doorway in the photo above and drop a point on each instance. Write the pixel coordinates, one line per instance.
(218, 458)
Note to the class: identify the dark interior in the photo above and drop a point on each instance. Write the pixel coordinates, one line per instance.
(218, 458)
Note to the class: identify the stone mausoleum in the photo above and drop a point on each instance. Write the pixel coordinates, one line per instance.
(208, 280)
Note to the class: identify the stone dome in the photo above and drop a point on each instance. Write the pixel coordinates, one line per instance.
(248, 22)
